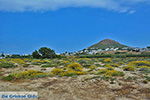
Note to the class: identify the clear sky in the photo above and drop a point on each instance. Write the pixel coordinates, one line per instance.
(72, 25)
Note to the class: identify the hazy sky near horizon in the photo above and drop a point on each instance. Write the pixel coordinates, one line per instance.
(71, 25)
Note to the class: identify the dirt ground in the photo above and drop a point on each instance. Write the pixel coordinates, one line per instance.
(80, 88)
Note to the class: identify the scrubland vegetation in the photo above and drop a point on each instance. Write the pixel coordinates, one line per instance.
(73, 67)
(117, 71)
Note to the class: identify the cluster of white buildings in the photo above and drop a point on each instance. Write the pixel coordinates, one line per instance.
(96, 51)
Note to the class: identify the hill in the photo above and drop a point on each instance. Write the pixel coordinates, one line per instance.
(107, 43)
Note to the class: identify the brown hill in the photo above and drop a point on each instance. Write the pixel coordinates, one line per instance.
(107, 43)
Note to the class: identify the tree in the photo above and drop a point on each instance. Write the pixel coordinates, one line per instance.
(148, 47)
(15, 56)
(2, 55)
(47, 52)
(44, 52)
(36, 54)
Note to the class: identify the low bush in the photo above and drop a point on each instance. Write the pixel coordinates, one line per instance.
(98, 65)
(66, 62)
(72, 73)
(115, 65)
(75, 66)
(26, 65)
(17, 60)
(57, 71)
(107, 60)
(49, 65)
(129, 68)
(83, 62)
(114, 73)
(3, 60)
(145, 70)
(130, 78)
(110, 73)
(106, 78)
(8, 78)
(147, 78)
(7, 65)
(30, 74)
(144, 67)
(139, 63)
(102, 71)
(109, 67)
(92, 67)
(68, 72)
(39, 62)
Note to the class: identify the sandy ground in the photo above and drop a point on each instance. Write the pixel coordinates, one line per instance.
(80, 88)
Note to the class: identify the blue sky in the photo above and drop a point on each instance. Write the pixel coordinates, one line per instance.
(71, 26)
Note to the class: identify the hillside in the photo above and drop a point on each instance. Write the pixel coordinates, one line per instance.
(107, 43)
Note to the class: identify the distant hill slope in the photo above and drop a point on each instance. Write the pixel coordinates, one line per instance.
(107, 43)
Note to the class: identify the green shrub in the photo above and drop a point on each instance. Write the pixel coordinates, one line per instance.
(147, 78)
(145, 70)
(106, 78)
(57, 71)
(26, 65)
(7, 65)
(49, 65)
(107, 60)
(39, 62)
(110, 73)
(86, 66)
(109, 67)
(8, 78)
(131, 78)
(75, 66)
(92, 67)
(98, 65)
(72, 73)
(30, 74)
(102, 71)
(128, 68)
(68, 72)
(114, 73)
(115, 65)
(139, 63)
(17, 60)
(83, 62)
